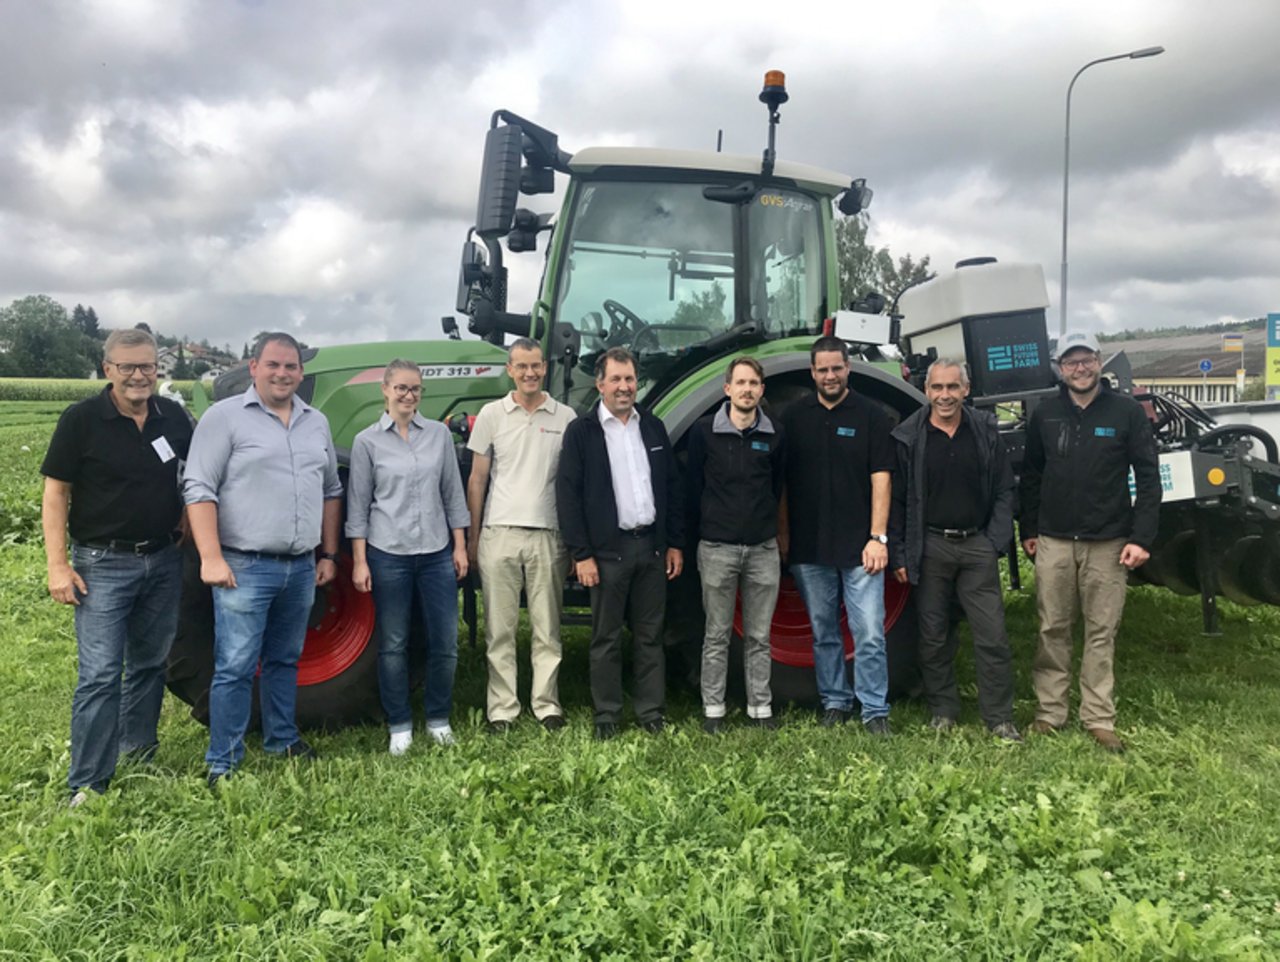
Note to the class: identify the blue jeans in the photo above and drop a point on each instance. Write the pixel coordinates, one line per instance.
(263, 618)
(124, 625)
(822, 587)
(397, 579)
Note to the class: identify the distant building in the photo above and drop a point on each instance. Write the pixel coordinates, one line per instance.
(167, 359)
(1173, 364)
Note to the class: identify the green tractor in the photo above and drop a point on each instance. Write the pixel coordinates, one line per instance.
(687, 258)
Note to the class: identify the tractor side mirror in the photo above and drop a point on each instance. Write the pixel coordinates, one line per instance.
(499, 180)
(471, 274)
(856, 198)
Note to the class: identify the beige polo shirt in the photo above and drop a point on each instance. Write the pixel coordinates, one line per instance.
(524, 452)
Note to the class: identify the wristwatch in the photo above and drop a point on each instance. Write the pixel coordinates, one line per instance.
(329, 556)
(882, 538)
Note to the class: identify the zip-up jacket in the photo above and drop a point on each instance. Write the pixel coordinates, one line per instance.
(734, 479)
(584, 488)
(1075, 479)
(907, 509)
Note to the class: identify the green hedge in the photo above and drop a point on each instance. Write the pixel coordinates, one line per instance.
(61, 389)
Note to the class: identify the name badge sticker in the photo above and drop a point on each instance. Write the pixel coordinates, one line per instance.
(759, 445)
(846, 432)
(161, 445)
(1104, 432)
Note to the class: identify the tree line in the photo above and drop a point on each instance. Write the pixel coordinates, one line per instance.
(40, 338)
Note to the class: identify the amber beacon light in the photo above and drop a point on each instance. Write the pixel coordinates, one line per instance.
(775, 89)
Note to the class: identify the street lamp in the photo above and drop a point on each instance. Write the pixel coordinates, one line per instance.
(1066, 166)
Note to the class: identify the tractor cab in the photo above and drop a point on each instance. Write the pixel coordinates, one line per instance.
(679, 256)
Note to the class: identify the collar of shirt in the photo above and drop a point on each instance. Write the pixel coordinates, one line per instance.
(108, 411)
(251, 397)
(723, 424)
(849, 399)
(606, 416)
(549, 404)
(386, 422)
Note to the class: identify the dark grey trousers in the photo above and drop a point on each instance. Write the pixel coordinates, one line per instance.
(968, 570)
(634, 590)
(729, 570)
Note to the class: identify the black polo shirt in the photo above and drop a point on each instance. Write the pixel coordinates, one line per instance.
(831, 455)
(953, 482)
(125, 483)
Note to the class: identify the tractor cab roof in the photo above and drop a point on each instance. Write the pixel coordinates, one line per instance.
(591, 160)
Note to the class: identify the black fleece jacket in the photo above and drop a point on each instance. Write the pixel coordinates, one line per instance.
(1075, 478)
(907, 509)
(734, 479)
(585, 506)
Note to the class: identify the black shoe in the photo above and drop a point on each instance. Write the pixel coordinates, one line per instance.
(500, 727)
(214, 778)
(879, 727)
(553, 723)
(769, 724)
(654, 726)
(301, 751)
(605, 731)
(833, 717)
(712, 726)
(1006, 732)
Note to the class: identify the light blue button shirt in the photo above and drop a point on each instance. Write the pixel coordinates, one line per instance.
(269, 480)
(404, 497)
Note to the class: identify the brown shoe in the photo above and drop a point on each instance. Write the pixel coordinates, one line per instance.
(1041, 727)
(1107, 739)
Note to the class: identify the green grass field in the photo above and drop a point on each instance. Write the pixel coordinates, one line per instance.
(804, 844)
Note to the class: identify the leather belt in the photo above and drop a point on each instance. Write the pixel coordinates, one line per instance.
(150, 546)
(638, 532)
(271, 555)
(954, 534)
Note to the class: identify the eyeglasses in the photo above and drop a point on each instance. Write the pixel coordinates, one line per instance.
(1079, 363)
(407, 390)
(128, 369)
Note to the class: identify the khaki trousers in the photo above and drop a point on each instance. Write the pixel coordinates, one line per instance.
(1074, 576)
(509, 559)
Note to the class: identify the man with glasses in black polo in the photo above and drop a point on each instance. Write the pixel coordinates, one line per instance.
(112, 477)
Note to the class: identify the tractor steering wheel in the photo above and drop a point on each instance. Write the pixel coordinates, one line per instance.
(626, 326)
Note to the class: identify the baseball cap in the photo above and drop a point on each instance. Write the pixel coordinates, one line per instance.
(1074, 339)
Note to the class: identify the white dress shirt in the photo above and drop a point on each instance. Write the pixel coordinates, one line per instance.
(629, 465)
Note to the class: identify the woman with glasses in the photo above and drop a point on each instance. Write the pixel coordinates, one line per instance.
(406, 518)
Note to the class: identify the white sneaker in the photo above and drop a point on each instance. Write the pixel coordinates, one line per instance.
(443, 736)
(400, 742)
(78, 799)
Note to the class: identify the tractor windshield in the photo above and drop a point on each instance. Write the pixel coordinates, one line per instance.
(658, 268)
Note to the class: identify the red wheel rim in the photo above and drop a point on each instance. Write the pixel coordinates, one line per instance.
(791, 637)
(340, 629)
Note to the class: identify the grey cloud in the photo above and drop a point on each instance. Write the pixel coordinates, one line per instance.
(959, 130)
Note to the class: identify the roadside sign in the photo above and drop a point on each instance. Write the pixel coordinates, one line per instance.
(1233, 342)
(1273, 357)
(1206, 366)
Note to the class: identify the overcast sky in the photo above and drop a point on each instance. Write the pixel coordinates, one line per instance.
(216, 168)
